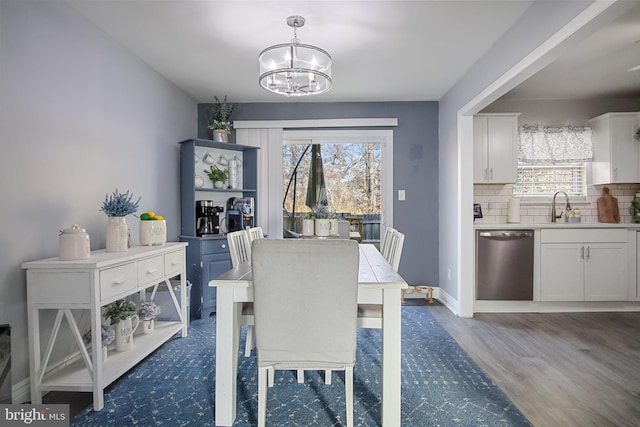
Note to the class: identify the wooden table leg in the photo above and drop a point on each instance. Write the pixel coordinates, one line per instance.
(227, 341)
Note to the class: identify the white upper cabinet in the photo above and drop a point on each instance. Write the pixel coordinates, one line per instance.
(495, 148)
(616, 152)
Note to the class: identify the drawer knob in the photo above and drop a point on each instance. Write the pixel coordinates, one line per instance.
(152, 270)
(119, 281)
(223, 246)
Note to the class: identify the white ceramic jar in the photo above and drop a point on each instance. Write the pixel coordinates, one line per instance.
(74, 244)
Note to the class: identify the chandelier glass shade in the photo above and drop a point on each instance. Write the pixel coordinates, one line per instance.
(295, 69)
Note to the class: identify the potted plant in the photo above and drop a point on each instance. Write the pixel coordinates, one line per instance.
(117, 206)
(322, 225)
(122, 314)
(148, 312)
(216, 175)
(107, 336)
(220, 119)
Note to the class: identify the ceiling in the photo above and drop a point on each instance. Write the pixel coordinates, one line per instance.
(384, 50)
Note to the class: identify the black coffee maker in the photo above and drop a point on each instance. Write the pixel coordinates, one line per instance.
(207, 218)
(239, 213)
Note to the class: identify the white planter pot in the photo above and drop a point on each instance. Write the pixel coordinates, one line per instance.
(148, 326)
(124, 332)
(117, 234)
(322, 227)
(153, 232)
(220, 135)
(307, 227)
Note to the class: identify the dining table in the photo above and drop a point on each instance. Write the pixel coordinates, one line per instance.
(378, 283)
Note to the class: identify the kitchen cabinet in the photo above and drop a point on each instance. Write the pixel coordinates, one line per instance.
(616, 152)
(584, 265)
(495, 148)
(64, 287)
(208, 257)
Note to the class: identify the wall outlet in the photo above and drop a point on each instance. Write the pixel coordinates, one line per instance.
(401, 195)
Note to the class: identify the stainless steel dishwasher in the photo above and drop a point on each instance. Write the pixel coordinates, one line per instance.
(504, 265)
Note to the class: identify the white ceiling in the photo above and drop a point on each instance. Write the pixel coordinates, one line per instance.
(383, 50)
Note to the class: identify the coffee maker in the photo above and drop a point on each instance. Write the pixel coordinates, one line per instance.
(207, 218)
(239, 213)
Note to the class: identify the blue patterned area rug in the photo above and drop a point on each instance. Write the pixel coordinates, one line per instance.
(441, 386)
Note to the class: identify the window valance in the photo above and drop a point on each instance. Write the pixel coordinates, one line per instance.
(549, 145)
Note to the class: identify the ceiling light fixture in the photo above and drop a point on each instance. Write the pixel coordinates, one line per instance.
(295, 69)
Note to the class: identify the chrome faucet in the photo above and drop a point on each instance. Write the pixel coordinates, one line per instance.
(553, 206)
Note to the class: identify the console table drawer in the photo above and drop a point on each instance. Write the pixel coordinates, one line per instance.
(173, 263)
(117, 280)
(150, 270)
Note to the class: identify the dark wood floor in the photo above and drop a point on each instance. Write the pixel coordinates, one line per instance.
(559, 369)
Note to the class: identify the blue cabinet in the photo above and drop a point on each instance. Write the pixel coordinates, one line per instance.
(208, 257)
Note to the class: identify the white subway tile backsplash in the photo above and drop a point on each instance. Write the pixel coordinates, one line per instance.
(494, 200)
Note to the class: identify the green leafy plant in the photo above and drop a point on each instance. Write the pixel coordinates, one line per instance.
(220, 114)
(119, 204)
(216, 174)
(120, 310)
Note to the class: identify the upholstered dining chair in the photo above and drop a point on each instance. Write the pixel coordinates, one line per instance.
(240, 249)
(253, 233)
(305, 295)
(370, 315)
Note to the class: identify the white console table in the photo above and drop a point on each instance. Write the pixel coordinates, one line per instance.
(91, 284)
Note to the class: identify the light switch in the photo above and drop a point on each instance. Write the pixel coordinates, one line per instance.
(401, 195)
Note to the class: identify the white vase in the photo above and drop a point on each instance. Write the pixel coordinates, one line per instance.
(307, 227)
(218, 184)
(124, 332)
(322, 227)
(148, 326)
(333, 227)
(153, 232)
(117, 234)
(220, 135)
(105, 352)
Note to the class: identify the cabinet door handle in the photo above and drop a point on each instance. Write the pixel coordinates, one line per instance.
(588, 253)
(223, 246)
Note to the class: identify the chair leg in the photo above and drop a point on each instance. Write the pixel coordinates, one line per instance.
(348, 383)
(272, 376)
(248, 344)
(262, 396)
(327, 376)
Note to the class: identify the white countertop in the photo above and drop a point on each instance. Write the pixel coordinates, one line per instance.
(519, 226)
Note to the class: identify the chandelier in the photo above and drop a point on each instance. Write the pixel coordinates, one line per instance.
(295, 69)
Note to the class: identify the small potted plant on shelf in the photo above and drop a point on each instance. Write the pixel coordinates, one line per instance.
(117, 206)
(220, 119)
(122, 314)
(217, 176)
(148, 312)
(107, 337)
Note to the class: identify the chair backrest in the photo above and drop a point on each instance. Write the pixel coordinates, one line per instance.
(255, 233)
(305, 295)
(395, 249)
(239, 247)
(343, 229)
(385, 245)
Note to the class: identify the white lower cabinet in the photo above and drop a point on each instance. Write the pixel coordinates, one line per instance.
(584, 265)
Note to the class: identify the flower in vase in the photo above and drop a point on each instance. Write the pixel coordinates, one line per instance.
(148, 310)
(119, 204)
(107, 334)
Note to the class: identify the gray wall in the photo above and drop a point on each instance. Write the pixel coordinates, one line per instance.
(415, 168)
(79, 116)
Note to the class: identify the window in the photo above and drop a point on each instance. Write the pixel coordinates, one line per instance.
(545, 180)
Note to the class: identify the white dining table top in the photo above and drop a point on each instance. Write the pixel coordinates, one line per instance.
(374, 270)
